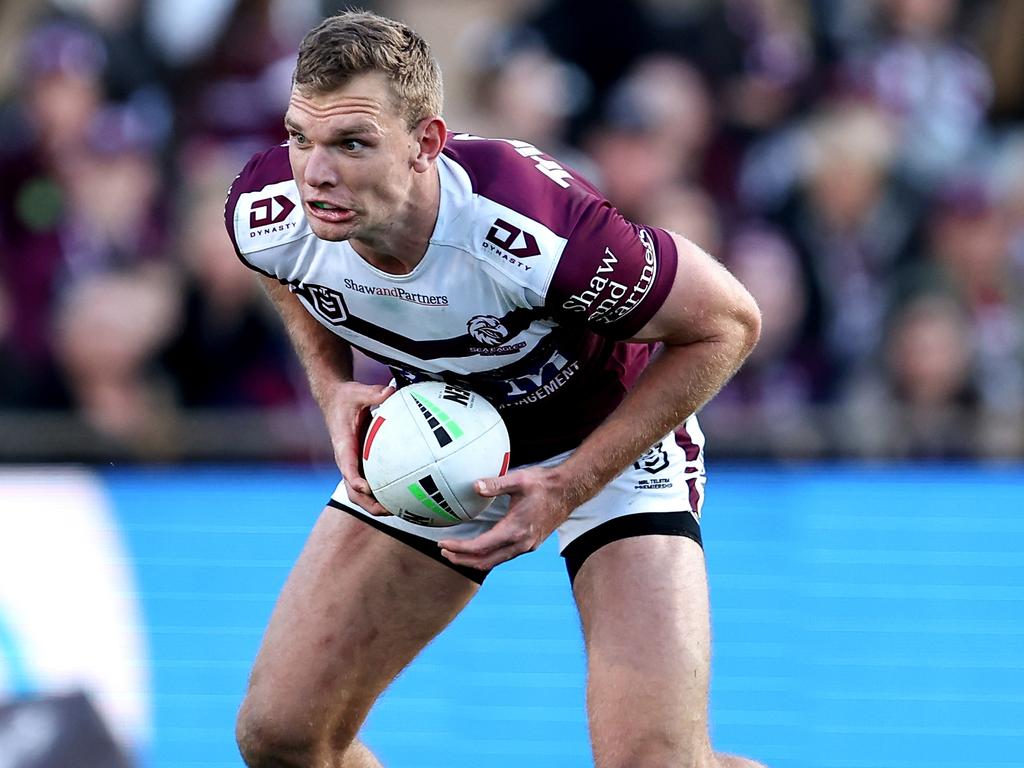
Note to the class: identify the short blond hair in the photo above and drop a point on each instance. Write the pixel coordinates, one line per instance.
(356, 42)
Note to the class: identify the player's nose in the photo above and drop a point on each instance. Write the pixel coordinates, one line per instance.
(319, 171)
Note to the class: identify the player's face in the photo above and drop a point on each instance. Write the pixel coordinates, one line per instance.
(352, 158)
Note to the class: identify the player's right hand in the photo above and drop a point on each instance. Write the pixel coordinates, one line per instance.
(347, 415)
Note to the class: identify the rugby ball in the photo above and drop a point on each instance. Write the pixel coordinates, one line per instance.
(425, 447)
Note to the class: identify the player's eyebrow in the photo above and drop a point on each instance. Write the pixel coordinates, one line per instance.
(359, 129)
(362, 128)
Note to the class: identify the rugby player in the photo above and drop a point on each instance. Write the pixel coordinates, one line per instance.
(487, 264)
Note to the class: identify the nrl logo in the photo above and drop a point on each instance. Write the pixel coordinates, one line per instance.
(327, 302)
(654, 460)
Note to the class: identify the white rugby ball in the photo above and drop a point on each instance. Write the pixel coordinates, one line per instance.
(426, 446)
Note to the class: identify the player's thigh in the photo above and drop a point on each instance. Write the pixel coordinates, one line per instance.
(356, 608)
(643, 602)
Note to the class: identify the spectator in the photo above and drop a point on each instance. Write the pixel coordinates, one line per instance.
(925, 403)
(656, 124)
(969, 244)
(106, 334)
(758, 58)
(689, 211)
(136, 73)
(786, 377)
(847, 127)
(116, 211)
(602, 37)
(14, 390)
(45, 130)
(238, 91)
(851, 227)
(521, 90)
(1010, 181)
(933, 85)
(227, 351)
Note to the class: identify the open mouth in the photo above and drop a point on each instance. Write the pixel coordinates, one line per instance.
(330, 213)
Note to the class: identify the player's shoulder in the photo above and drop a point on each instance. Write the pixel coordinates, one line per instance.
(269, 166)
(585, 259)
(521, 177)
(518, 207)
(263, 209)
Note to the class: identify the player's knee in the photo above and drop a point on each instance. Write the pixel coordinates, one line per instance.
(266, 742)
(256, 741)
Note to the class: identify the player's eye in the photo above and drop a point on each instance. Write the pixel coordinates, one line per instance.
(352, 145)
(299, 139)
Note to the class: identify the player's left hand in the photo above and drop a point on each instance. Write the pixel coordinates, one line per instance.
(538, 504)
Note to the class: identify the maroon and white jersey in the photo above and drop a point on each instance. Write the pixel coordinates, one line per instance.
(530, 281)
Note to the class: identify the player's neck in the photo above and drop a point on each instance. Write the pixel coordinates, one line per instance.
(402, 245)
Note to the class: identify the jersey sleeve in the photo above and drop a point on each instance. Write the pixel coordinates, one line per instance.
(238, 187)
(613, 275)
(263, 211)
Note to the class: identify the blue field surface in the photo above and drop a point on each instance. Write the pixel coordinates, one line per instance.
(862, 618)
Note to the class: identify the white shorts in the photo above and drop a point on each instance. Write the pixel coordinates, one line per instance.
(661, 493)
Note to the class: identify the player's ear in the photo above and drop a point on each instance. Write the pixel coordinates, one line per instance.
(430, 136)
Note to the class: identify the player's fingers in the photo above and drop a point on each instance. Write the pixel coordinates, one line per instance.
(377, 395)
(358, 488)
(365, 500)
(359, 485)
(495, 486)
(345, 453)
(348, 462)
(486, 542)
(486, 561)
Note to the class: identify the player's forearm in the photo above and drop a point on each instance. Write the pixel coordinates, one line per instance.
(675, 385)
(326, 358)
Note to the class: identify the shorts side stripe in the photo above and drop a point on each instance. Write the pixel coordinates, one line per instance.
(682, 523)
(695, 500)
(427, 546)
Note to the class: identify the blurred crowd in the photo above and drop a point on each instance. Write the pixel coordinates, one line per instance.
(858, 164)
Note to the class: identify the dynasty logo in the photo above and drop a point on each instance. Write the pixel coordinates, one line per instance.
(511, 243)
(269, 214)
(512, 239)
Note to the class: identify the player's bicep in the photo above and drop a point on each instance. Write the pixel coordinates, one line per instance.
(704, 302)
(309, 337)
(285, 302)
